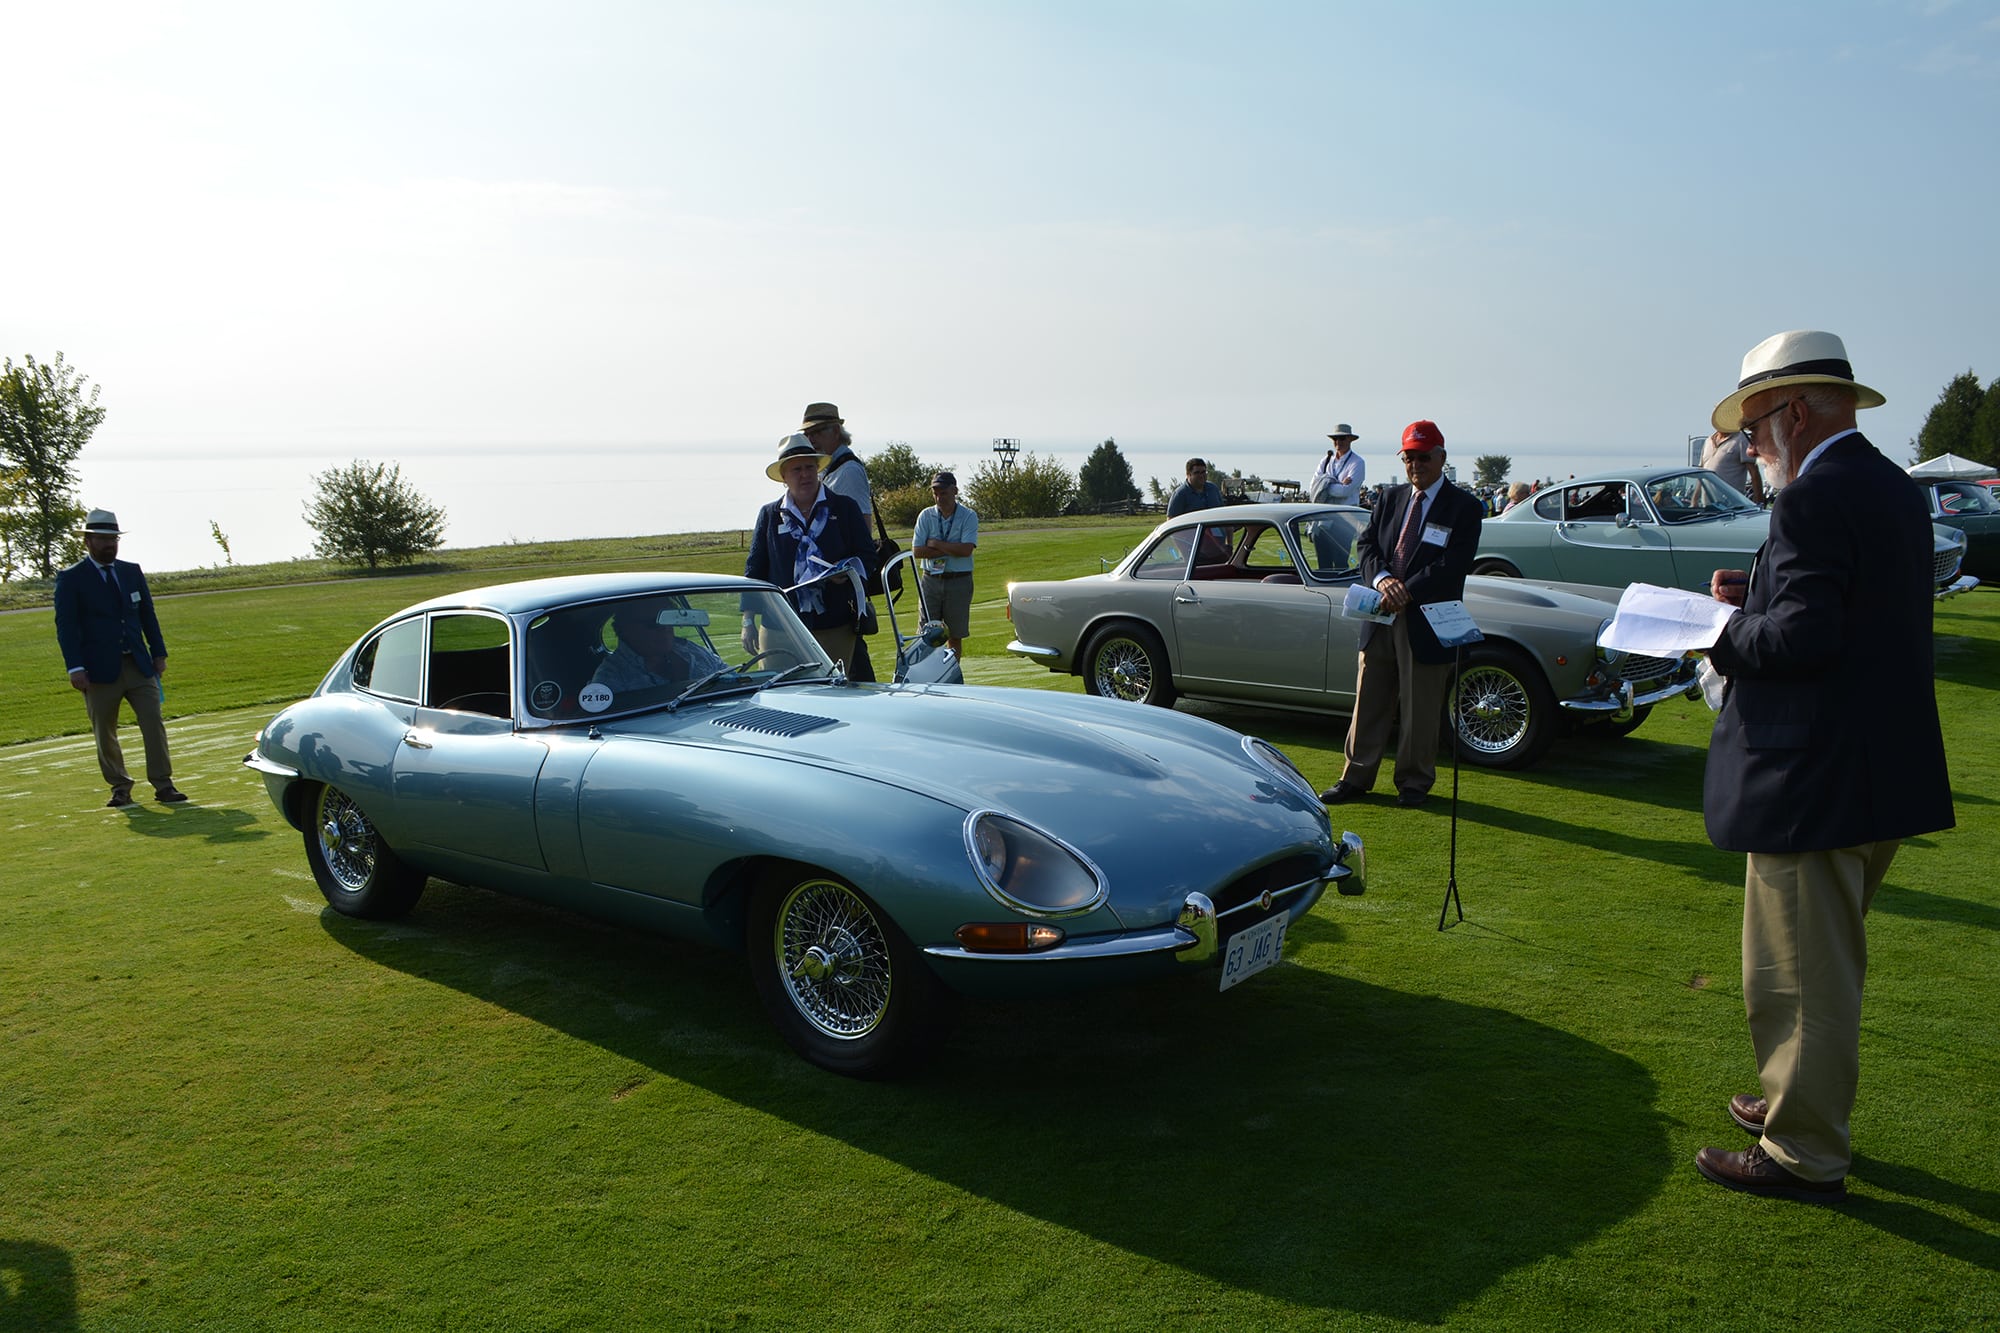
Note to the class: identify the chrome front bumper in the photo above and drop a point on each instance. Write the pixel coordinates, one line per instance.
(1196, 936)
(1963, 583)
(1621, 704)
(1031, 650)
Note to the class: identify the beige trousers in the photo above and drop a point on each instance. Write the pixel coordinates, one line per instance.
(102, 701)
(1805, 954)
(1388, 679)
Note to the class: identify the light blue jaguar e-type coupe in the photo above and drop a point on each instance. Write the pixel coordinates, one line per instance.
(674, 752)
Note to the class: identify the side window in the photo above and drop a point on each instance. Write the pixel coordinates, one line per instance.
(1168, 559)
(1267, 553)
(1549, 505)
(1329, 542)
(1598, 503)
(392, 662)
(468, 664)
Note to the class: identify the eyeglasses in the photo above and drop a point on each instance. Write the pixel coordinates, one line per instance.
(1749, 428)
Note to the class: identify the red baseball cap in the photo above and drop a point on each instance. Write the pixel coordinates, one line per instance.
(1421, 437)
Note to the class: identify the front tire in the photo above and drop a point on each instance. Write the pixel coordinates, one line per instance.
(1504, 711)
(1129, 662)
(1496, 569)
(356, 872)
(842, 985)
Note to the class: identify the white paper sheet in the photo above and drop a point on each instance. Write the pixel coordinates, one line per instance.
(1364, 603)
(1665, 622)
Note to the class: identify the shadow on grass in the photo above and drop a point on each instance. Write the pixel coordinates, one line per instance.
(1314, 1139)
(37, 1287)
(1920, 1222)
(211, 823)
(1899, 900)
(1966, 660)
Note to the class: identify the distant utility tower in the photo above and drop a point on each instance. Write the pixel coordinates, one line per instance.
(1006, 449)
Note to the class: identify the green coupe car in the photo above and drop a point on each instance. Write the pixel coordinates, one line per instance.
(1670, 526)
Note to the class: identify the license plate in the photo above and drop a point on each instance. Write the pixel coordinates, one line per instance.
(1253, 949)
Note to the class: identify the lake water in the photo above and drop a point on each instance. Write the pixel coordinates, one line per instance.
(546, 493)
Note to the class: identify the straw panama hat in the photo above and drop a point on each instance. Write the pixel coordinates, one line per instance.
(102, 523)
(1343, 431)
(793, 446)
(1803, 356)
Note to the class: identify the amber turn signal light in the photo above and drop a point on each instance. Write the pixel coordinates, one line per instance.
(1007, 937)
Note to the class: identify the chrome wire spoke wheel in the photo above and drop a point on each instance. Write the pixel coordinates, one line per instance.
(1492, 710)
(347, 841)
(1124, 671)
(833, 959)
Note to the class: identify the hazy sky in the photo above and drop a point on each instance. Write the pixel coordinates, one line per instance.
(411, 230)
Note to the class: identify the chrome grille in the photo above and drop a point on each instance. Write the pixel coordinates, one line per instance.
(1944, 565)
(1240, 897)
(1639, 670)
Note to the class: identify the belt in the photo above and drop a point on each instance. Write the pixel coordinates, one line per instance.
(951, 574)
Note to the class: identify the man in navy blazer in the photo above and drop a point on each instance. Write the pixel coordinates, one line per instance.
(1827, 749)
(1417, 549)
(112, 648)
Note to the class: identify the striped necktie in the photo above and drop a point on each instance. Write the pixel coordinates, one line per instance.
(1406, 543)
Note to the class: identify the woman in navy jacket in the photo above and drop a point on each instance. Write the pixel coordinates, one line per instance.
(803, 535)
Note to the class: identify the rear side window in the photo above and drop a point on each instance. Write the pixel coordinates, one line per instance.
(1168, 559)
(1549, 505)
(392, 662)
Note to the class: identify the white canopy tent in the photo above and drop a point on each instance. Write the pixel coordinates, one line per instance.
(1950, 467)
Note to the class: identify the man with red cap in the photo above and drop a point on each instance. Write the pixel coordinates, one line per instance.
(1416, 549)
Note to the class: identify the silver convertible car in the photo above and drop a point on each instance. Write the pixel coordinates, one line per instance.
(674, 752)
(1243, 605)
(1672, 526)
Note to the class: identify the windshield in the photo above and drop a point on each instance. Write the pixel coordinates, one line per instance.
(603, 659)
(1683, 497)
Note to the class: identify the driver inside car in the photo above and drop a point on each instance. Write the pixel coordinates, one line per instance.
(650, 653)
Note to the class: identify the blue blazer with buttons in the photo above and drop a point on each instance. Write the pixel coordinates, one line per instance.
(96, 624)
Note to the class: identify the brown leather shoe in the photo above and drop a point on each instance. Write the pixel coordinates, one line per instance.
(1749, 1112)
(1753, 1172)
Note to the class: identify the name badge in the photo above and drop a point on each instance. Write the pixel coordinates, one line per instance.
(135, 599)
(1436, 534)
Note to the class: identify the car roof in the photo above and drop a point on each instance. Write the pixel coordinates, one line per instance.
(1645, 475)
(532, 595)
(1269, 513)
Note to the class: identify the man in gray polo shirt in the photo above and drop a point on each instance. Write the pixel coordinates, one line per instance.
(946, 534)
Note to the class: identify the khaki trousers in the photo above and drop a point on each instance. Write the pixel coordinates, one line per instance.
(101, 702)
(1387, 679)
(1805, 954)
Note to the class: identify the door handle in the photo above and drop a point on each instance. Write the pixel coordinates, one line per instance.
(415, 740)
(1187, 599)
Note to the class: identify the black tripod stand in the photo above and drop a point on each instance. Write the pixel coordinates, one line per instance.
(1451, 898)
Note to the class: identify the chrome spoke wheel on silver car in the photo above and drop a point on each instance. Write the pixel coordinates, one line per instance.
(833, 959)
(1492, 709)
(1128, 662)
(347, 840)
(1503, 712)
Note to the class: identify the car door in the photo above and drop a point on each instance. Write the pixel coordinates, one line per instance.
(1241, 637)
(1609, 536)
(1973, 510)
(463, 778)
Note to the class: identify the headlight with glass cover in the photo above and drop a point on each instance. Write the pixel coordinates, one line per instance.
(1030, 870)
(1271, 757)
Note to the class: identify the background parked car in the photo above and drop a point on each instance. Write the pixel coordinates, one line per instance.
(1245, 607)
(1973, 508)
(1671, 526)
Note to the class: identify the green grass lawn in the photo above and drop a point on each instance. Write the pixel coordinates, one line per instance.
(221, 1106)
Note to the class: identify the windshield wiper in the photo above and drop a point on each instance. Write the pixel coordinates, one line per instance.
(718, 674)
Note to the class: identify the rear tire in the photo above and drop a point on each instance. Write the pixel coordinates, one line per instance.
(356, 872)
(1504, 712)
(844, 987)
(1129, 662)
(1495, 569)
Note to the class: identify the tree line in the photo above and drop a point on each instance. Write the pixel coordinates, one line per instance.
(1965, 421)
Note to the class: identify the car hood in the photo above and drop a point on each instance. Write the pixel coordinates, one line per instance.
(1098, 773)
(1504, 594)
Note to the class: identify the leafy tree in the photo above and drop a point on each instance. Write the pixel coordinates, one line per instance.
(1491, 469)
(1985, 442)
(898, 466)
(1034, 487)
(899, 507)
(366, 513)
(45, 420)
(1948, 427)
(1106, 477)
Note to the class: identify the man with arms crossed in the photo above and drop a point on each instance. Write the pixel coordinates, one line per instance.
(946, 535)
(1416, 549)
(1827, 750)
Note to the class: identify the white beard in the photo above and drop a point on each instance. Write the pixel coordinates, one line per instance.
(1774, 462)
